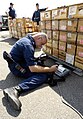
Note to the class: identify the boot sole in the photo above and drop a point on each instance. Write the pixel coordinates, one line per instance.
(12, 100)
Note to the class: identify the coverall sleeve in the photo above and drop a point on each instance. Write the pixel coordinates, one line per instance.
(41, 10)
(29, 55)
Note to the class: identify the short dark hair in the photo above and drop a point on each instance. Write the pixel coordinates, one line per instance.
(37, 4)
(11, 4)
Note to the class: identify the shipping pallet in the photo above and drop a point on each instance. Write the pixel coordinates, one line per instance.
(69, 66)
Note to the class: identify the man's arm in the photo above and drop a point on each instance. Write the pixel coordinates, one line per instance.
(37, 68)
(41, 10)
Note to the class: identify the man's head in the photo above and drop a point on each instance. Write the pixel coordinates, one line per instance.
(11, 4)
(40, 39)
(37, 6)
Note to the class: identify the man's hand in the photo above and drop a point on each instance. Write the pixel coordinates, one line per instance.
(46, 7)
(53, 68)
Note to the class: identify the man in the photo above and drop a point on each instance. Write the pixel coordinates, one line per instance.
(35, 75)
(36, 14)
(11, 11)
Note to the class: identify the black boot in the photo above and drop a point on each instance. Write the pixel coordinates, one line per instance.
(12, 95)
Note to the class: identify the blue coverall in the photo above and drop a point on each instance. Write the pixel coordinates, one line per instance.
(23, 53)
(36, 15)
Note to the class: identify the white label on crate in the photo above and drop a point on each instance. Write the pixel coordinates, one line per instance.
(69, 23)
(47, 14)
(69, 58)
(63, 28)
(69, 46)
(72, 10)
(69, 35)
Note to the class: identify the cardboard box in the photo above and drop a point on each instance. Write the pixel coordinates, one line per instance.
(75, 11)
(80, 25)
(55, 35)
(42, 25)
(44, 48)
(55, 52)
(71, 49)
(63, 36)
(71, 37)
(49, 44)
(43, 30)
(49, 50)
(60, 13)
(55, 24)
(55, 44)
(49, 34)
(42, 16)
(62, 46)
(48, 15)
(62, 55)
(79, 62)
(72, 25)
(49, 25)
(79, 51)
(80, 39)
(63, 25)
(69, 58)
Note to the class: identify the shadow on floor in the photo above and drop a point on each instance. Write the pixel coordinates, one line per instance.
(9, 108)
(11, 41)
(11, 81)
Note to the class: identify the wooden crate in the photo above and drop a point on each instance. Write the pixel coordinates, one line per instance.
(79, 62)
(72, 25)
(42, 16)
(80, 39)
(49, 25)
(71, 37)
(55, 44)
(49, 34)
(59, 13)
(63, 36)
(62, 55)
(44, 48)
(43, 30)
(49, 44)
(43, 25)
(71, 49)
(80, 25)
(48, 15)
(55, 24)
(79, 51)
(75, 11)
(55, 35)
(63, 25)
(62, 46)
(55, 52)
(49, 50)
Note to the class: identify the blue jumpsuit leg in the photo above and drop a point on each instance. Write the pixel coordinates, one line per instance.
(33, 81)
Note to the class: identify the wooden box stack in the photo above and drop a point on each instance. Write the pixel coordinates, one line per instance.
(64, 27)
(19, 27)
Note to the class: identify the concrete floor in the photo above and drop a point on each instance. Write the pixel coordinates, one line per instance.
(44, 102)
